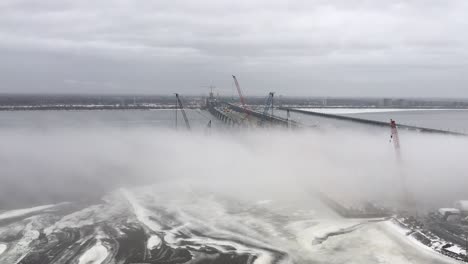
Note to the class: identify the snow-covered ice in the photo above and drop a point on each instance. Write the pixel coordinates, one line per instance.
(153, 242)
(195, 221)
(95, 255)
(3, 247)
(142, 214)
(270, 232)
(456, 249)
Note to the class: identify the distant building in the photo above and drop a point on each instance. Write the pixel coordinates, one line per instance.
(398, 102)
(324, 102)
(385, 102)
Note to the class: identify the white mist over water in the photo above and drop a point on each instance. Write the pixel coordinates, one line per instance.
(58, 164)
(252, 189)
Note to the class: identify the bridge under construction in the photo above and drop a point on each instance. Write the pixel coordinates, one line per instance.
(243, 115)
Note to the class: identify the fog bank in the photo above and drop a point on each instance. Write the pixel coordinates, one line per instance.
(57, 164)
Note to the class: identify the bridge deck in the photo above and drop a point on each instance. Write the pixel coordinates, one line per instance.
(370, 122)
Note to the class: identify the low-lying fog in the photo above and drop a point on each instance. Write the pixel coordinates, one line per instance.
(59, 164)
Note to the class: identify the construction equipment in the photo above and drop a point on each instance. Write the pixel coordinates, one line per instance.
(208, 128)
(242, 99)
(268, 105)
(239, 91)
(408, 201)
(394, 137)
(181, 105)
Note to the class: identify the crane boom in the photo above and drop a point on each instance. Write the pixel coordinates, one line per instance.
(239, 91)
(187, 124)
(241, 96)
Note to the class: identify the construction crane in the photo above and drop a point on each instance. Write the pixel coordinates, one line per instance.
(179, 104)
(208, 128)
(394, 137)
(239, 91)
(408, 200)
(242, 99)
(268, 105)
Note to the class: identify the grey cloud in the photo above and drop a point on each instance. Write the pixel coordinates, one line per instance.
(208, 40)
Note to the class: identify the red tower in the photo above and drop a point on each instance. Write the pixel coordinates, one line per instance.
(394, 135)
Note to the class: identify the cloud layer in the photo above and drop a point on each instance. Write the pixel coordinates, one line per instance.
(368, 48)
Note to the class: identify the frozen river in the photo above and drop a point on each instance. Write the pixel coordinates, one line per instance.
(181, 223)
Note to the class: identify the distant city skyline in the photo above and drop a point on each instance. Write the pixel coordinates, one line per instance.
(296, 48)
(57, 102)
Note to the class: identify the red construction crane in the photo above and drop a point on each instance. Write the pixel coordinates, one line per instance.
(394, 135)
(241, 96)
(242, 99)
(408, 200)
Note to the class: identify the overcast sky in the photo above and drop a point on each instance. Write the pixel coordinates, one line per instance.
(301, 47)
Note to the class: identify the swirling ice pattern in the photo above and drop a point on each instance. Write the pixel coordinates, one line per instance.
(166, 225)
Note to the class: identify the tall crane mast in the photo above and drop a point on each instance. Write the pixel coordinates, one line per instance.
(268, 105)
(408, 199)
(179, 104)
(394, 137)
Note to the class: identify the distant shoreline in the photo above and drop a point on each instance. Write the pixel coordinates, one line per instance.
(64, 107)
(90, 107)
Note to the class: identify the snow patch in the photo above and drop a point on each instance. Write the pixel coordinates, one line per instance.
(3, 247)
(153, 242)
(95, 255)
(22, 246)
(141, 213)
(223, 246)
(456, 249)
(394, 224)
